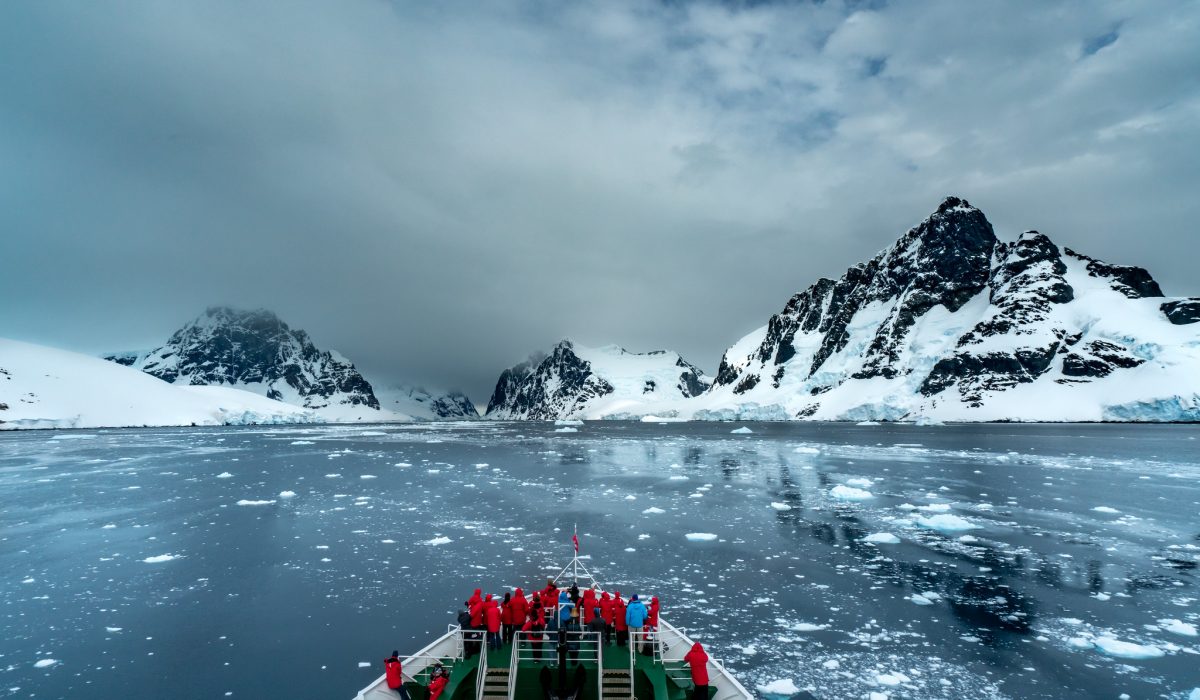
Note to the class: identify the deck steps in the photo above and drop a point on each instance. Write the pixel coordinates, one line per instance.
(616, 683)
(495, 684)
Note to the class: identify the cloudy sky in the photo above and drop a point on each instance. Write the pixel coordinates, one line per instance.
(437, 189)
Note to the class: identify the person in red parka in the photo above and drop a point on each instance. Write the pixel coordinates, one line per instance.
(606, 612)
(436, 685)
(520, 608)
(395, 679)
(589, 605)
(652, 619)
(698, 660)
(491, 615)
(619, 623)
(550, 594)
(537, 625)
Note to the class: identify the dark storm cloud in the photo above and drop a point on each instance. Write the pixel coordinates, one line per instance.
(436, 189)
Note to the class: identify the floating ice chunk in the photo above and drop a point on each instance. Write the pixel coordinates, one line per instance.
(438, 541)
(566, 430)
(160, 558)
(1105, 509)
(372, 433)
(630, 549)
(569, 421)
(832, 664)
(882, 538)
(860, 483)
(247, 502)
(920, 599)
(877, 696)
(946, 522)
(700, 536)
(302, 442)
(780, 506)
(287, 494)
(906, 506)
(366, 476)
(741, 431)
(44, 663)
(333, 476)
(968, 539)
(631, 497)
(224, 475)
(849, 493)
(364, 664)
(402, 464)
(112, 629)
(891, 679)
(937, 508)
(782, 686)
(1195, 694)
(1127, 650)
(653, 511)
(805, 450)
(1178, 627)
(677, 477)
(109, 526)
(867, 422)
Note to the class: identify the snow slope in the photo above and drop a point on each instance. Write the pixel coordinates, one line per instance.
(42, 387)
(951, 324)
(578, 382)
(421, 404)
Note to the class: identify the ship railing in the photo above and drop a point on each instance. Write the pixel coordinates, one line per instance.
(481, 674)
(526, 646)
(427, 664)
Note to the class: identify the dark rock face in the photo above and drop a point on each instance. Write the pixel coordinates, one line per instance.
(562, 383)
(866, 318)
(1181, 312)
(1133, 282)
(555, 387)
(230, 347)
(454, 405)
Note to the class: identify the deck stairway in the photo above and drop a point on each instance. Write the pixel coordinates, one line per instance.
(495, 684)
(616, 684)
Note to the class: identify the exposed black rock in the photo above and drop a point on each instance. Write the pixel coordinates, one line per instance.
(237, 348)
(1133, 282)
(1181, 312)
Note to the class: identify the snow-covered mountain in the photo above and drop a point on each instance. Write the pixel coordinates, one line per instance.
(42, 387)
(422, 404)
(258, 352)
(950, 323)
(578, 382)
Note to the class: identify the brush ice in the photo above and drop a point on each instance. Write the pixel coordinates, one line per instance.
(946, 522)
(782, 686)
(849, 493)
(1178, 627)
(701, 536)
(1127, 650)
(882, 538)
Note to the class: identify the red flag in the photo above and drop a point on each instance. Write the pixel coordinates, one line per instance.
(575, 539)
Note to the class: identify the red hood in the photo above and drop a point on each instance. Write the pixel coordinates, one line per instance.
(519, 593)
(698, 648)
(604, 596)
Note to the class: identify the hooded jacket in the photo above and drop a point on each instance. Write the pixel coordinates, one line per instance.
(619, 614)
(520, 607)
(606, 607)
(491, 612)
(506, 612)
(564, 607)
(589, 605)
(436, 686)
(391, 667)
(476, 603)
(636, 614)
(652, 619)
(698, 660)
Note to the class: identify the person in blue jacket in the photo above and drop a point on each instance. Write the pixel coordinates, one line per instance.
(635, 618)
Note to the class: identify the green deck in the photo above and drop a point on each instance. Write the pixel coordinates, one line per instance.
(651, 681)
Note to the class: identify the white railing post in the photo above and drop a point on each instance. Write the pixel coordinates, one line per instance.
(599, 665)
(513, 665)
(481, 675)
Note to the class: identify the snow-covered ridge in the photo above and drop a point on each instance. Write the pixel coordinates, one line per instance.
(42, 387)
(422, 404)
(950, 323)
(578, 382)
(258, 352)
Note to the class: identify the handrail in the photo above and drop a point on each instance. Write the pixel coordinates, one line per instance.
(632, 657)
(481, 674)
(600, 669)
(512, 669)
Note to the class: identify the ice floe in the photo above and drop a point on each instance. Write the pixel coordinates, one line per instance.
(849, 493)
(700, 536)
(946, 522)
(160, 558)
(882, 538)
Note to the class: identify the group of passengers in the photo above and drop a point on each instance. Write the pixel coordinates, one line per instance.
(614, 619)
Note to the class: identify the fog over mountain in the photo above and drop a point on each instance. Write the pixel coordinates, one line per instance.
(437, 190)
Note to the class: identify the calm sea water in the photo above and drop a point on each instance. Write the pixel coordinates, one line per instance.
(1030, 561)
